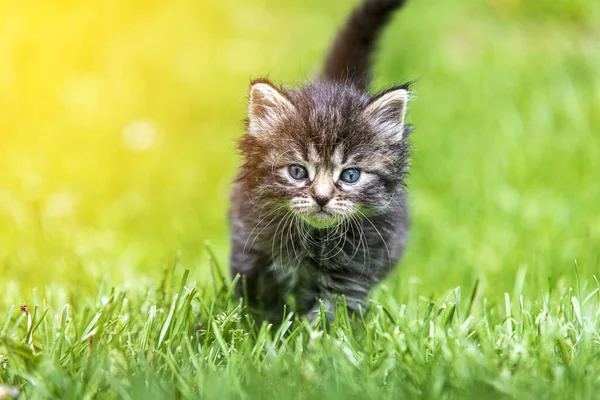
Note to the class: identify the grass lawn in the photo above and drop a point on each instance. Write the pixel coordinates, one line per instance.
(117, 147)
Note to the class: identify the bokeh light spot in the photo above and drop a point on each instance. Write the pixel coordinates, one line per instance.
(60, 205)
(140, 135)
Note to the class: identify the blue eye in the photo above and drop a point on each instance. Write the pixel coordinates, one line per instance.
(350, 175)
(297, 172)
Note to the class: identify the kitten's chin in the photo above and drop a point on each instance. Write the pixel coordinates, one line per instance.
(321, 219)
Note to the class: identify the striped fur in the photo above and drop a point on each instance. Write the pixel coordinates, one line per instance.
(285, 245)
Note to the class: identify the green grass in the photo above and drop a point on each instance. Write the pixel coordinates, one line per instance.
(496, 295)
(174, 340)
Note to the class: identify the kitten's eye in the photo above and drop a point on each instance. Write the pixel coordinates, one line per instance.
(350, 175)
(297, 172)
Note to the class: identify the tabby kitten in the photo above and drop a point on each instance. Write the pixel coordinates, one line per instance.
(319, 205)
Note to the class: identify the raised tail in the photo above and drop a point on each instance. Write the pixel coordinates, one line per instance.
(349, 58)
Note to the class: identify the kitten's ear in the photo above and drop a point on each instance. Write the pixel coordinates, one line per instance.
(267, 107)
(389, 110)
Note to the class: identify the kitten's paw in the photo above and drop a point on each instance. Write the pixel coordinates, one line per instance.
(323, 311)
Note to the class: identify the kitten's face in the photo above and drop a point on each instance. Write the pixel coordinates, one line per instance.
(325, 188)
(324, 152)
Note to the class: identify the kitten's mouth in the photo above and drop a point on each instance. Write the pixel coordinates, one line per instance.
(321, 219)
(322, 215)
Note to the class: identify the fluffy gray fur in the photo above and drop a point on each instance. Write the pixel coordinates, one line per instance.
(321, 237)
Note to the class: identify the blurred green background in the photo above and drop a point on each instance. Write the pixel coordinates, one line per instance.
(118, 123)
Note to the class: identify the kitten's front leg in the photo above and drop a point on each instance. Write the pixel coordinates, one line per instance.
(316, 316)
(338, 288)
(258, 285)
(329, 308)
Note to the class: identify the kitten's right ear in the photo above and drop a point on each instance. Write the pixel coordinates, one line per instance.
(388, 109)
(266, 108)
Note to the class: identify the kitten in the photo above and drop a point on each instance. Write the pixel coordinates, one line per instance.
(319, 205)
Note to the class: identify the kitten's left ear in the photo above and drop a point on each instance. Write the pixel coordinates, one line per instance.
(266, 108)
(389, 109)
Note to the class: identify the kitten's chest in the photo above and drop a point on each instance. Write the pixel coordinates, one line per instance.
(319, 251)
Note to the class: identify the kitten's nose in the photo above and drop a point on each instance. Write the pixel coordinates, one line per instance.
(322, 188)
(322, 200)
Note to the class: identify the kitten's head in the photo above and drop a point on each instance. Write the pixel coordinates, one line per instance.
(325, 151)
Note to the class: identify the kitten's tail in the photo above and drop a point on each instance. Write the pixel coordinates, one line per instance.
(349, 57)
